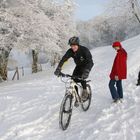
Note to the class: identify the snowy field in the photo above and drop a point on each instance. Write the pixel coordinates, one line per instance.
(29, 108)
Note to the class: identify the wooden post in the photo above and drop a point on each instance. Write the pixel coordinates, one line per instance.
(35, 60)
(22, 71)
(16, 73)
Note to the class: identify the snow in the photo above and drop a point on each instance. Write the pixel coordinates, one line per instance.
(29, 108)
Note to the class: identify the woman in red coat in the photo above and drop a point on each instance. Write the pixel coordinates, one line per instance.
(119, 72)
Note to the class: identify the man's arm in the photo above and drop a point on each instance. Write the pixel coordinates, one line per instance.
(89, 61)
(89, 64)
(67, 55)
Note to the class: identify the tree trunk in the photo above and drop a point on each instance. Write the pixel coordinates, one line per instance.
(4, 55)
(35, 61)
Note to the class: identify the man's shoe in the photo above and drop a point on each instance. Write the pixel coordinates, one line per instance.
(76, 104)
(138, 84)
(121, 100)
(115, 101)
(84, 95)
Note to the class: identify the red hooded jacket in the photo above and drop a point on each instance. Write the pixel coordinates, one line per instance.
(120, 65)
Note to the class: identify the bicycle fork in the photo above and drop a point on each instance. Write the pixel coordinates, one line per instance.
(76, 94)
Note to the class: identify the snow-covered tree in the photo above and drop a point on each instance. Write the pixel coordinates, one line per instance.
(136, 8)
(62, 16)
(42, 25)
(116, 23)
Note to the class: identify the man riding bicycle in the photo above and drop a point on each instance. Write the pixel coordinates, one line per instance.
(83, 60)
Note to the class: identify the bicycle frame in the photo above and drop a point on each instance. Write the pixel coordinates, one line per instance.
(71, 89)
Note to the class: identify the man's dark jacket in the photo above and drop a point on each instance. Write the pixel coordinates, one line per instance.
(82, 58)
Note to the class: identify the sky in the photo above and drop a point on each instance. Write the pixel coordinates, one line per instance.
(88, 9)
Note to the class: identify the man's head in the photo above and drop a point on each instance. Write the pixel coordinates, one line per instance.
(74, 43)
(117, 45)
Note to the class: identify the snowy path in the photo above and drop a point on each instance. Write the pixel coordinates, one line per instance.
(29, 110)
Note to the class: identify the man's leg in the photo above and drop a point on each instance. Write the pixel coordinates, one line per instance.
(119, 88)
(138, 81)
(83, 83)
(139, 75)
(113, 90)
(84, 92)
(76, 73)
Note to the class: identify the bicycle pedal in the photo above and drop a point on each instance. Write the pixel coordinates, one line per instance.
(76, 104)
(67, 111)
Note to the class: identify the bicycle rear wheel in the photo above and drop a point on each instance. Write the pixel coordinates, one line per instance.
(65, 112)
(85, 104)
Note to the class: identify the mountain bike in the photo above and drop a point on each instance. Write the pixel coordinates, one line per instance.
(72, 94)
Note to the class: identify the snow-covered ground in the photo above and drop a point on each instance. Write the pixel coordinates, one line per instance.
(29, 108)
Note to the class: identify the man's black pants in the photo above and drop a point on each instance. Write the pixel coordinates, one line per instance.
(78, 72)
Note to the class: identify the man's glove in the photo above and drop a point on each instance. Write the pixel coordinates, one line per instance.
(57, 71)
(85, 74)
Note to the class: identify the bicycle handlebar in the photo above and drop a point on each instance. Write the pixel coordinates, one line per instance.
(72, 77)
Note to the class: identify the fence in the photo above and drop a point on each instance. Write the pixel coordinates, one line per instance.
(17, 73)
(21, 72)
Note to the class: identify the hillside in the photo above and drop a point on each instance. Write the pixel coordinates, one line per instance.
(29, 108)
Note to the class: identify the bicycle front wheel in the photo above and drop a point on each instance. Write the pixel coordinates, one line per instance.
(65, 112)
(85, 104)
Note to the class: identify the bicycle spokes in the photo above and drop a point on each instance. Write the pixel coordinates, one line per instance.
(65, 112)
(85, 104)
